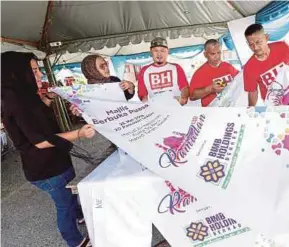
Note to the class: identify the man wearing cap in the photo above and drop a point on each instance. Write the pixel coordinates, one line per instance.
(161, 76)
(212, 77)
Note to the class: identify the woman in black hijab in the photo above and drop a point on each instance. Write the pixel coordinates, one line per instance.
(44, 151)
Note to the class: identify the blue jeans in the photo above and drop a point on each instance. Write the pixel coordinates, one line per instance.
(67, 207)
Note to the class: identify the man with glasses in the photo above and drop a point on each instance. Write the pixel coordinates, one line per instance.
(262, 68)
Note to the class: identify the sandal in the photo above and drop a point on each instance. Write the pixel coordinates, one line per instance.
(81, 221)
(85, 243)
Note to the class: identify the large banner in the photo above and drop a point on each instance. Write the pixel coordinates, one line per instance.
(121, 194)
(232, 159)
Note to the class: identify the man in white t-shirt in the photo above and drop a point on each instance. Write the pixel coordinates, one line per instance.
(161, 76)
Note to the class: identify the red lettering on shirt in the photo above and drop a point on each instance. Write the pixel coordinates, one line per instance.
(270, 75)
(226, 78)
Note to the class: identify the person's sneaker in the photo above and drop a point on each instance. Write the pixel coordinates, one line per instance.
(85, 243)
(81, 221)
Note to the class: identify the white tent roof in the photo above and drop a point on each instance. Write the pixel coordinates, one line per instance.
(84, 25)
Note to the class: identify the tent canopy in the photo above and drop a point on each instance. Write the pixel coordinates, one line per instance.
(73, 26)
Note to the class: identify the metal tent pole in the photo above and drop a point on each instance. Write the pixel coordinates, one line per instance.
(59, 106)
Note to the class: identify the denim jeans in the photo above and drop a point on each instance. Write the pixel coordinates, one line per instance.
(67, 207)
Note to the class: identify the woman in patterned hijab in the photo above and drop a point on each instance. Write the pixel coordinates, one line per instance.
(96, 70)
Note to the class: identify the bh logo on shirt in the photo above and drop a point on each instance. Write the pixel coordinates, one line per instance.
(269, 76)
(223, 79)
(161, 80)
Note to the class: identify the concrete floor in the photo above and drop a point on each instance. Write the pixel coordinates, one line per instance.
(28, 215)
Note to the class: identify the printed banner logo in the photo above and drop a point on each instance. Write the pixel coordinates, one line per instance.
(212, 171)
(197, 231)
(176, 201)
(213, 229)
(219, 166)
(177, 147)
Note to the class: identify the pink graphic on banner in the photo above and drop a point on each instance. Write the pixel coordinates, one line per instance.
(177, 146)
(278, 95)
(172, 142)
(175, 201)
(283, 144)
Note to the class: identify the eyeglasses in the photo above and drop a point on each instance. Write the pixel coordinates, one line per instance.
(257, 43)
(103, 65)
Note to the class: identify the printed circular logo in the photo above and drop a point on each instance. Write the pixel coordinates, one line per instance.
(212, 171)
(197, 231)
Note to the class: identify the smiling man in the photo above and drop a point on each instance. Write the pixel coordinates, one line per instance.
(262, 68)
(161, 76)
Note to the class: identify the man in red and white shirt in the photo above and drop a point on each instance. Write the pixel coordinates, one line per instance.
(262, 68)
(213, 76)
(161, 76)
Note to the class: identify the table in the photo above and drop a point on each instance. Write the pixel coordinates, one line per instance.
(84, 171)
(120, 200)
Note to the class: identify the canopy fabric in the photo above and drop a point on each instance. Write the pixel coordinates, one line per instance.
(23, 20)
(22, 48)
(84, 25)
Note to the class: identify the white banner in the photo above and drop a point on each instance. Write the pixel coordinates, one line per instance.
(233, 94)
(230, 158)
(121, 200)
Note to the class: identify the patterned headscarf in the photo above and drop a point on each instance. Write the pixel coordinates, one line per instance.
(90, 71)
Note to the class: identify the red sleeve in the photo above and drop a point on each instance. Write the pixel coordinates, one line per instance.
(182, 79)
(233, 71)
(142, 90)
(196, 81)
(250, 82)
